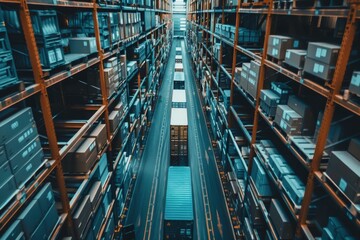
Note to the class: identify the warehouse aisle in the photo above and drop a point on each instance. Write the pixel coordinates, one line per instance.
(148, 199)
(208, 196)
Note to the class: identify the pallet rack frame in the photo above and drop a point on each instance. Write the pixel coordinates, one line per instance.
(43, 81)
(331, 92)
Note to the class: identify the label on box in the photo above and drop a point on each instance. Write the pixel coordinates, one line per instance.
(321, 68)
(342, 184)
(323, 52)
(355, 80)
(287, 55)
(316, 68)
(318, 53)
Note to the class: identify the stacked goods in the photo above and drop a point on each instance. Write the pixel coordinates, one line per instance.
(321, 59)
(132, 24)
(8, 75)
(343, 170)
(47, 34)
(81, 158)
(179, 137)
(21, 154)
(114, 19)
(280, 220)
(253, 78)
(38, 219)
(288, 120)
(271, 98)
(131, 67)
(149, 20)
(82, 24)
(112, 75)
(142, 51)
(336, 230)
(245, 36)
(296, 118)
(261, 180)
(277, 46)
(295, 58)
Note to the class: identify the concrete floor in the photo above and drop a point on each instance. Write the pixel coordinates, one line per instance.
(147, 205)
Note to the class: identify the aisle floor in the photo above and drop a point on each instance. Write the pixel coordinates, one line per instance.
(147, 205)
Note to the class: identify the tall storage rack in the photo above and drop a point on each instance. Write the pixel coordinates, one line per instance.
(66, 116)
(223, 37)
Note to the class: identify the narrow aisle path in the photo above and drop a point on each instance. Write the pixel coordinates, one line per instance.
(206, 183)
(147, 204)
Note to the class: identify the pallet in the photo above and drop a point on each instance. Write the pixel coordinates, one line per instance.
(352, 208)
(306, 148)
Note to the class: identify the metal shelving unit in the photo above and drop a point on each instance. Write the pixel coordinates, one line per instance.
(202, 16)
(99, 112)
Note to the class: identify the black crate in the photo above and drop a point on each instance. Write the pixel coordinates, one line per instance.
(51, 55)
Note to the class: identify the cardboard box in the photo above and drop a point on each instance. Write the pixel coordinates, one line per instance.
(95, 194)
(354, 87)
(277, 46)
(260, 178)
(280, 220)
(319, 69)
(342, 169)
(323, 52)
(23, 155)
(30, 218)
(281, 89)
(45, 198)
(294, 188)
(279, 166)
(86, 45)
(27, 134)
(354, 147)
(82, 216)
(98, 218)
(12, 125)
(256, 215)
(7, 189)
(305, 111)
(28, 168)
(82, 157)
(244, 75)
(295, 58)
(14, 231)
(5, 172)
(269, 97)
(51, 219)
(114, 120)
(100, 135)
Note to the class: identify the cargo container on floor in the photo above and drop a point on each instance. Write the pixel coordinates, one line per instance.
(178, 99)
(179, 137)
(178, 58)
(179, 80)
(178, 51)
(179, 67)
(179, 214)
